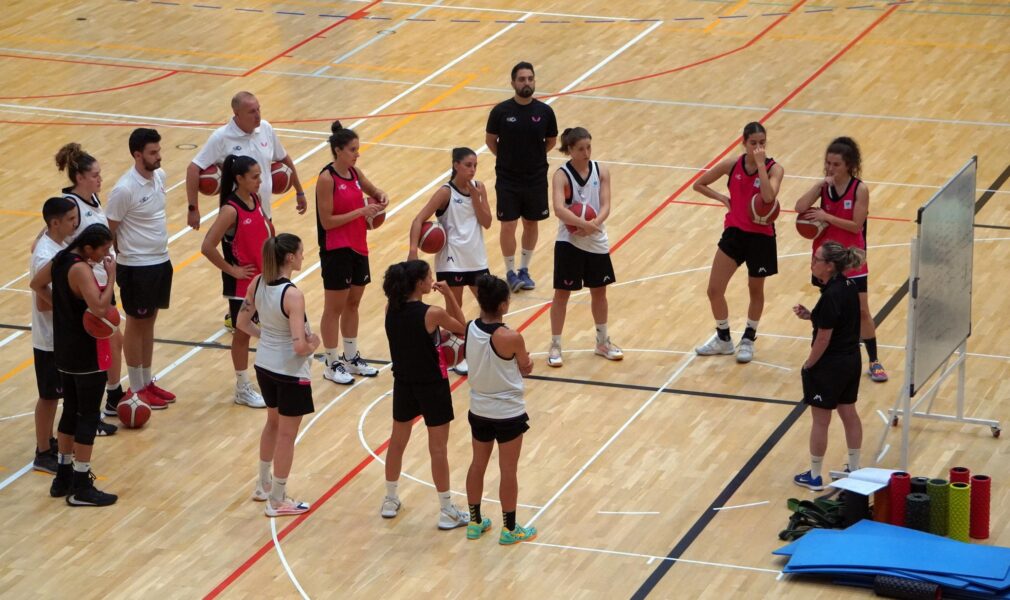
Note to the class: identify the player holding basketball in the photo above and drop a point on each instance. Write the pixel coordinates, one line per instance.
(582, 257)
(752, 174)
(283, 366)
(241, 228)
(461, 208)
(831, 371)
(420, 383)
(341, 211)
(845, 204)
(498, 361)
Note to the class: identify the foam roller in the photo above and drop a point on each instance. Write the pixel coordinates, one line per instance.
(979, 520)
(936, 489)
(917, 511)
(888, 586)
(959, 516)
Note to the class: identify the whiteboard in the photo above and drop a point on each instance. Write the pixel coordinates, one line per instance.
(941, 270)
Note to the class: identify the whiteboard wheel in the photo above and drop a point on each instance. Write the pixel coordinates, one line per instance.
(894, 422)
(996, 431)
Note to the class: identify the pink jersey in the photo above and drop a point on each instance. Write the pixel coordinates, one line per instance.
(347, 197)
(843, 207)
(245, 246)
(742, 187)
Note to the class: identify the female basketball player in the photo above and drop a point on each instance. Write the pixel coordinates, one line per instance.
(240, 228)
(461, 208)
(420, 386)
(283, 366)
(845, 204)
(81, 359)
(751, 177)
(582, 257)
(498, 361)
(341, 211)
(831, 372)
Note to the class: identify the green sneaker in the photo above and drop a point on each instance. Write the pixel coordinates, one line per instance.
(520, 534)
(474, 529)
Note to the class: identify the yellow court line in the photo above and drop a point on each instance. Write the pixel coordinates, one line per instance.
(27, 363)
(732, 10)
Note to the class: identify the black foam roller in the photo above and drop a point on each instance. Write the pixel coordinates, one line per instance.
(856, 507)
(889, 586)
(919, 485)
(917, 511)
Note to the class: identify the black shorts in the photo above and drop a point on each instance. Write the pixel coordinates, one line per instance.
(291, 396)
(461, 278)
(574, 267)
(47, 378)
(832, 381)
(528, 201)
(500, 430)
(431, 400)
(861, 283)
(756, 249)
(235, 307)
(144, 289)
(342, 268)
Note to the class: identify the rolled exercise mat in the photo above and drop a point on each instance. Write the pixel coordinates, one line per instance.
(979, 520)
(919, 485)
(855, 508)
(959, 500)
(882, 505)
(937, 489)
(917, 511)
(889, 586)
(960, 475)
(899, 487)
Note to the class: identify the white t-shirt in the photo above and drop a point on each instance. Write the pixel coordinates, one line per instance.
(262, 144)
(42, 322)
(138, 204)
(464, 238)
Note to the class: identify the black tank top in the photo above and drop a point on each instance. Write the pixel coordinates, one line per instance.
(413, 349)
(75, 350)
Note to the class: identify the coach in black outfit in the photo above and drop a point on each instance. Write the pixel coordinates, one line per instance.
(520, 133)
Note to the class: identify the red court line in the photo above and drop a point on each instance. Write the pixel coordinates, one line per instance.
(785, 210)
(111, 89)
(114, 65)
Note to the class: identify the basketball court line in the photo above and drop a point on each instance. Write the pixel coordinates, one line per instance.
(651, 557)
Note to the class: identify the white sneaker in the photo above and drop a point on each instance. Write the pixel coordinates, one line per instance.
(452, 517)
(554, 356)
(246, 394)
(336, 373)
(262, 493)
(715, 346)
(390, 506)
(288, 507)
(609, 351)
(745, 351)
(357, 366)
(462, 368)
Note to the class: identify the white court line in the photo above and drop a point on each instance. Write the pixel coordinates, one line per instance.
(318, 414)
(652, 557)
(502, 10)
(8, 418)
(11, 338)
(626, 512)
(661, 351)
(16, 290)
(15, 476)
(284, 561)
(762, 503)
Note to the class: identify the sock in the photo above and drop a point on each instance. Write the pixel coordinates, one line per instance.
(112, 386)
(136, 375)
(524, 258)
(265, 478)
(722, 329)
(509, 520)
(332, 356)
(751, 332)
(445, 500)
(64, 459)
(82, 467)
(115, 394)
(853, 459)
(601, 333)
(871, 348)
(391, 489)
(277, 491)
(815, 466)
(475, 513)
(242, 378)
(556, 340)
(148, 378)
(350, 348)
(510, 263)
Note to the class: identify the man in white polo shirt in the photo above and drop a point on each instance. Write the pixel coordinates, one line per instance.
(136, 214)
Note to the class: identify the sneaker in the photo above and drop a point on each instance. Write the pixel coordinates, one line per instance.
(62, 482)
(46, 461)
(164, 394)
(358, 366)
(452, 517)
(877, 372)
(336, 373)
(262, 493)
(246, 394)
(715, 346)
(105, 429)
(228, 324)
(804, 479)
(461, 368)
(112, 400)
(554, 356)
(147, 397)
(745, 350)
(609, 351)
(286, 508)
(515, 284)
(474, 530)
(519, 534)
(85, 493)
(390, 506)
(527, 281)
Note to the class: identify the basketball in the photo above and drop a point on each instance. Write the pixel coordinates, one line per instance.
(810, 229)
(377, 220)
(104, 327)
(761, 212)
(134, 413)
(210, 181)
(583, 211)
(432, 237)
(452, 347)
(280, 177)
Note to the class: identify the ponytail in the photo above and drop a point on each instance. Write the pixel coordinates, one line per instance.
(571, 136)
(74, 160)
(233, 167)
(401, 280)
(491, 292)
(458, 155)
(844, 259)
(275, 252)
(847, 148)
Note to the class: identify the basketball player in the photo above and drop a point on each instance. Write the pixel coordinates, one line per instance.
(461, 208)
(420, 385)
(845, 204)
(498, 361)
(283, 366)
(520, 133)
(582, 257)
(743, 240)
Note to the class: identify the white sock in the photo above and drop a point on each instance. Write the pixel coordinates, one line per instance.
(148, 378)
(815, 465)
(277, 490)
(391, 489)
(265, 478)
(111, 387)
(556, 340)
(853, 459)
(525, 257)
(136, 375)
(510, 263)
(242, 378)
(332, 356)
(82, 467)
(350, 348)
(601, 333)
(64, 459)
(752, 324)
(722, 323)
(445, 499)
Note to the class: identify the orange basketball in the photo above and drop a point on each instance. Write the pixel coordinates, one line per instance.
(280, 177)
(432, 237)
(210, 181)
(810, 229)
(379, 219)
(103, 327)
(582, 211)
(761, 212)
(452, 347)
(134, 412)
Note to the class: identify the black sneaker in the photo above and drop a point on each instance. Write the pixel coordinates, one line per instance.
(63, 481)
(85, 493)
(46, 462)
(105, 429)
(112, 401)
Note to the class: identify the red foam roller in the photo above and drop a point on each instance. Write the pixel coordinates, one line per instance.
(978, 527)
(899, 488)
(882, 506)
(960, 475)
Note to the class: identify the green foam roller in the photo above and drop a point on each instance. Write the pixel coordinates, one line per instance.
(937, 490)
(959, 515)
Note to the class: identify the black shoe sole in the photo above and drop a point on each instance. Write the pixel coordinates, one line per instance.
(42, 470)
(72, 502)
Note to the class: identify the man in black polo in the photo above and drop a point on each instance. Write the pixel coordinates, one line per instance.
(520, 133)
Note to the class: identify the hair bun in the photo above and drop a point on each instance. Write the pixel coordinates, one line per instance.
(336, 127)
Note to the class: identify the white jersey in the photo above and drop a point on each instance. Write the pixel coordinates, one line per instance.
(276, 352)
(496, 385)
(42, 322)
(586, 192)
(464, 238)
(89, 214)
(138, 204)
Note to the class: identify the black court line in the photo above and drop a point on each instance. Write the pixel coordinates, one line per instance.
(982, 226)
(992, 189)
(647, 388)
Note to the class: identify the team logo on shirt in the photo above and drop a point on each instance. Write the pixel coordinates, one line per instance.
(458, 200)
(343, 187)
(248, 221)
(511, 119)
(264, 144)
(757, 183)
(145, 199)
(847, 204)
(535, 119)
(237, 148)
(738, 177)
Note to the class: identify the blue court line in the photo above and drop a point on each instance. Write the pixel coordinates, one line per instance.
(285, 12)
(955, 14)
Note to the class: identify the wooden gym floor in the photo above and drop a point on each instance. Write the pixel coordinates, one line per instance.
(625, 462)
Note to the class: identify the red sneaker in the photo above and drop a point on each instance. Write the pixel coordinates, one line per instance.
(148, 397)
(165, 395)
